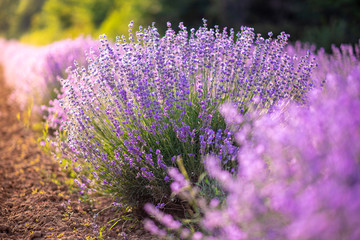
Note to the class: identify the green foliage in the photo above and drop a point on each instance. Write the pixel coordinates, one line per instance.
(58, 20)
(100, 10)
(122, 12)
(71, 18)
(16, 16)
(7, 8)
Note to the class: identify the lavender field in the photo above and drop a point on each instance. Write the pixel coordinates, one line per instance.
(203, 133)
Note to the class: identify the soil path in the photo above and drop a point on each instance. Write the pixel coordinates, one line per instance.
(34, 201)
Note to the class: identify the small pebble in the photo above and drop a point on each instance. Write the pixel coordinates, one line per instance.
(4, 228)
(36, 234)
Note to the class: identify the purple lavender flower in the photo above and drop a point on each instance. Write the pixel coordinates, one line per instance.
(179, 180)
(165, 219)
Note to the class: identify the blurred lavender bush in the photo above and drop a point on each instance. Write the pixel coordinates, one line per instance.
(148, 100)
(299, 167)
(34, 72)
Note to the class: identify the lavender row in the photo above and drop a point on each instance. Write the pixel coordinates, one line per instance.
(33, 72)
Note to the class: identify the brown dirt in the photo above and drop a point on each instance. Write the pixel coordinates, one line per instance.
(35, 202)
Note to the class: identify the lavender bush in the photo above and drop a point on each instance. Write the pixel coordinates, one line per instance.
(148, 100)
(299, 168)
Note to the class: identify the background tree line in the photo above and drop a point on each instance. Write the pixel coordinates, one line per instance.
(322, 22)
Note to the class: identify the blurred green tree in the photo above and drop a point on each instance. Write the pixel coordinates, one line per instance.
(70, 18)
(60, 19)
(7, 10)
(16, 16)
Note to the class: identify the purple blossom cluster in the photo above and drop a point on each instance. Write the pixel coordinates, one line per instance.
(298, 171)
(342, 61)
(147, 100)
(33, 72)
